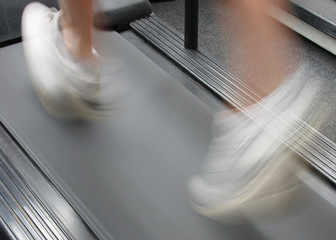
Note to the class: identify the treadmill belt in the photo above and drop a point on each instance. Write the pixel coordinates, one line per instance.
(127, 177)
(116, 173)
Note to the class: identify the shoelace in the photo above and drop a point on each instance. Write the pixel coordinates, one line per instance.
(49, 18)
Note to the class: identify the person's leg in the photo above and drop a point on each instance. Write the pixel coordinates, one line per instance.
(259, 48)
(76, 26)
(249, 171)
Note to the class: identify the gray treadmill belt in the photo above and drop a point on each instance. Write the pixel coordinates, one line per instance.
(126, 177)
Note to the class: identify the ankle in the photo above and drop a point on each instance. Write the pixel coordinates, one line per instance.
(78, 45)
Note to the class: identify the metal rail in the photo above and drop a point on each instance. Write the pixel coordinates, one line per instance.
(191, 24)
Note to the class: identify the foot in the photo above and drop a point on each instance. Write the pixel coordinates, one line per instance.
(68, 87)
(249, 171)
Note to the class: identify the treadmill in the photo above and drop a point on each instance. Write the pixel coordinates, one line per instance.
(125, 178)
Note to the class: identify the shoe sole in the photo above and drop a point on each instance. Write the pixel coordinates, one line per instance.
(252, 203)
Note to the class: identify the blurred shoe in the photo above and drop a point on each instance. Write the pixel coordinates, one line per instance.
(66, 87)
(249, 173)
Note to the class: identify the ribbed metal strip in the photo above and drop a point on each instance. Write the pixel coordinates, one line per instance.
(23, 221)
(314, 19)
(33, 217)
(318, 150)
(213, 75)
(9, 217)
(5, 231)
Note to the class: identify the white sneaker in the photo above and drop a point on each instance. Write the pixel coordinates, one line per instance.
(66, 88)
(249, 172)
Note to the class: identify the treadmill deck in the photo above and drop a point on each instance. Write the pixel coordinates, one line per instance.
(127, 177)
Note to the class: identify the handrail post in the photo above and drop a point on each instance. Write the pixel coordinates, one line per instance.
(191, 24)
